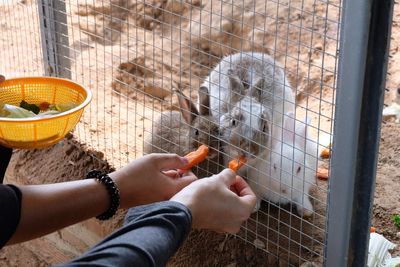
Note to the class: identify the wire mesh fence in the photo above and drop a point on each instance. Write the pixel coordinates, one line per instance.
(249, 78)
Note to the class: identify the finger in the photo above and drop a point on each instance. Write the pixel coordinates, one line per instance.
(184, 181)
(2, 78)
(178, 174)
(246, 195)
(172, 174)
(227, 176)
(184, 173)
(169, 161)
(242, 188)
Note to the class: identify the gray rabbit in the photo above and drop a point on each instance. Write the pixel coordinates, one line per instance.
(184, 131)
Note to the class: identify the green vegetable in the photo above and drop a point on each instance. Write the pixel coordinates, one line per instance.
(10, 111)
(396, 220)
(31, 107)
(27, 110)
(63, 107)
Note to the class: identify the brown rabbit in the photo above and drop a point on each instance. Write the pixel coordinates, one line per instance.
(184, 131)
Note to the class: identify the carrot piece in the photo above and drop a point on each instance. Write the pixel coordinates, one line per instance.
(326, 153)
(372, 229)
(235, 164)
(323, 174)
(44, 106)
(197, 156)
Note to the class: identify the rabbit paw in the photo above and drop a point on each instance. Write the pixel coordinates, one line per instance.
(257, 206)
(306, 210)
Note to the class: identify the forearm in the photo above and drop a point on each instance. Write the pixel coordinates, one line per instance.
(150, 236)
(46, 208)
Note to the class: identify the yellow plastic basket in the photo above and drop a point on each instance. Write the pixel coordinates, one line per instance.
(40, 132)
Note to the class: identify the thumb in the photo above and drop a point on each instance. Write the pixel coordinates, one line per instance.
(227, 176)
(169, 161)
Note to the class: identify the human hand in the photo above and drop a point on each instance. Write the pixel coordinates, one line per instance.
(151, 178)
(220, 203)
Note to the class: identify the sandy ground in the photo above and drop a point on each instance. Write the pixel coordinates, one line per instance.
(131, 60)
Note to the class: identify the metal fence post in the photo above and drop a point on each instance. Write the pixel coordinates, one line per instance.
(365, 36)
(54, 37)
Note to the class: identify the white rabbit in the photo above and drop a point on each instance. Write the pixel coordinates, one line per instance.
(249, 93)
(286, 173)
(184, 131)
(245, 130)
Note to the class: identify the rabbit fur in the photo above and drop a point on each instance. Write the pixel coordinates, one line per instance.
(249, 94)
(184, 131)
(286, 173)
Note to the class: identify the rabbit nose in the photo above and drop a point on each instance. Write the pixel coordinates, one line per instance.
(248, 148)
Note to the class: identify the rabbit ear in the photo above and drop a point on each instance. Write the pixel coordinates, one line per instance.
(301, 133)
(307, 122)
(236, 84)
(204, 101)
(188, 109)
(288, 128)
(302, 126)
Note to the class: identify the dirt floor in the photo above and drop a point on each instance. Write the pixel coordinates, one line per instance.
(131, 60)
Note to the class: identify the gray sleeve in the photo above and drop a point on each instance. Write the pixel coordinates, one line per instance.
(150, 236)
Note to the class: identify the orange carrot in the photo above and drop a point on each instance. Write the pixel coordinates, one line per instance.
(323, 174)
(195, 157)
(372, 229)
(235, 164)
(44, 106)
(326, 153)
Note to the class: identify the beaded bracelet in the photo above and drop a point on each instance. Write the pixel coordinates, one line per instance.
(112, 190)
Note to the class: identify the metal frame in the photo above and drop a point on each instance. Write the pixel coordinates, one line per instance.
(365, 36)
(55, 48)
(364, 41)
(54, 33)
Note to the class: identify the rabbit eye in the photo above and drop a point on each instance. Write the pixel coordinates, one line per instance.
(196, 132)
(274, 166)
(298, 170)
(233, 122)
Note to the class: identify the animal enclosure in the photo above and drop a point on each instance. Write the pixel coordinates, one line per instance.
(249, 78)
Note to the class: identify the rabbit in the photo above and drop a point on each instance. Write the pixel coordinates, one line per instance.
(184, 131)
(245, 130)
(286, 172)
(249, 94)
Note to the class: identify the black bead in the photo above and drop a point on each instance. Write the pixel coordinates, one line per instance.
(112, 191)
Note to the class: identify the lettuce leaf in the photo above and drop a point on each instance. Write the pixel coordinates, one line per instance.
(11, 111)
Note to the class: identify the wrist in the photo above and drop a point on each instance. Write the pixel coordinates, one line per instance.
(190, 205)
(112, 192)
(127, 192)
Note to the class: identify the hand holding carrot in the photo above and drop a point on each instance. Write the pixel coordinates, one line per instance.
(221, 202)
